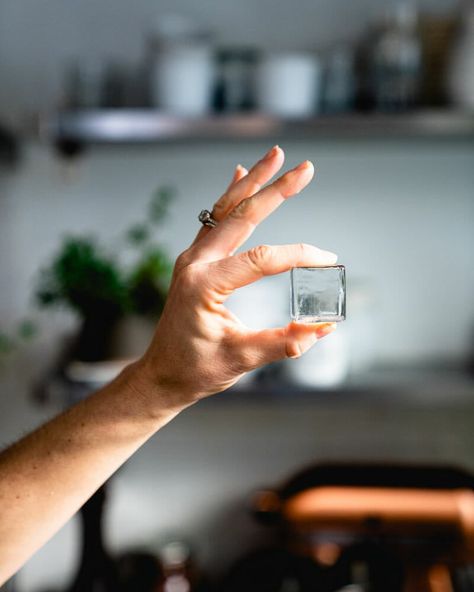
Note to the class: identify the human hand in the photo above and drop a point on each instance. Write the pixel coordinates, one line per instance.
(200, 347)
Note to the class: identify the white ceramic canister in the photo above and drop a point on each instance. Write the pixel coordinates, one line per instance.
(288, 84)
(184, 72)
(325, 365)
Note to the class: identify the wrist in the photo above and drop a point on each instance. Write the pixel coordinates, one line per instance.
(155, 399)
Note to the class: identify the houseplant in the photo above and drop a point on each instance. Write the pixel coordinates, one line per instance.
(104, 291)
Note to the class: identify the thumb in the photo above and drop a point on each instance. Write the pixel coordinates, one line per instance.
(262, 347)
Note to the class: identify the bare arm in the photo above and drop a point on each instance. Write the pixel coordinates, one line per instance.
(48, 475)
(199, 349)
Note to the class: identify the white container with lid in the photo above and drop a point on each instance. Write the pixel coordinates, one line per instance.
(288, 84)
(184, 71)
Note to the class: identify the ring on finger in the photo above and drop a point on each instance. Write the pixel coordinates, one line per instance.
(206, 219)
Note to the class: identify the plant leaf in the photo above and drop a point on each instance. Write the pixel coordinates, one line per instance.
(160, 203)
(138, 234)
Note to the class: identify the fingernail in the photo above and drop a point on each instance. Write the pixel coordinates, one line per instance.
(271, 153)
(306, 164)
(325, 329)
(330, 256)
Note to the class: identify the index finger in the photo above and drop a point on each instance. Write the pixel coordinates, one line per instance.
(244, 268)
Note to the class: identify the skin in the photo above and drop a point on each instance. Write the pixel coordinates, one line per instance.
(199, 349)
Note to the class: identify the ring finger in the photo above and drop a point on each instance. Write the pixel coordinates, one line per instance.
(239, 173)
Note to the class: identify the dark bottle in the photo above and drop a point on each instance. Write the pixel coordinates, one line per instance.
(139, 571)
(397, 60)
(97, 571)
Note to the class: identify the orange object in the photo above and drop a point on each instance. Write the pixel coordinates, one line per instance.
(424, 516)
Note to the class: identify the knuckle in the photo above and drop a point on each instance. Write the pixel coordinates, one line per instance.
(189, 276)
(303, 249)
(300, 253)
(244, 363)
(182, 260)
(260, 255)
(284, 185)
(220, 206)
(248, 359)
(258, 175)
(186, 259)
(241, 209)
(293, 349)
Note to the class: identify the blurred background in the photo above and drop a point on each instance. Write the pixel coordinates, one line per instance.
(119, 122)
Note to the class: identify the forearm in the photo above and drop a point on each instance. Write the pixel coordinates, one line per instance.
(47, 476)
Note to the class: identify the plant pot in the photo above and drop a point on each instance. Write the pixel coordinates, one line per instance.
(131, 336)
(93, 340)
(110, 337)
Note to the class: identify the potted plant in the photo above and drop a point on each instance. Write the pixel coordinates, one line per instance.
(111, 297)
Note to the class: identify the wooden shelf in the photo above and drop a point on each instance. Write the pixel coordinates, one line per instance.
(149, 126)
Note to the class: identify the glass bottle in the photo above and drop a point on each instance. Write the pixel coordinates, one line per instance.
(396, 60)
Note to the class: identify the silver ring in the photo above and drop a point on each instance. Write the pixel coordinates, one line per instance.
(205, 217)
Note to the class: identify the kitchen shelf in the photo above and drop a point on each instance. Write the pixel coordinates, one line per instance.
(397, 385)
(136, 126)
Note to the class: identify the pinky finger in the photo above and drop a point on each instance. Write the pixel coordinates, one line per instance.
(239, 173)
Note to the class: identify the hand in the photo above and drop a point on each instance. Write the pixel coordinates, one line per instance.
(200, 347)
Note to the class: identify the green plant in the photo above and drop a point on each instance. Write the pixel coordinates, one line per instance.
(148, 282)
(83, 278)
(91, 281)
(94, 282)
(24, 331)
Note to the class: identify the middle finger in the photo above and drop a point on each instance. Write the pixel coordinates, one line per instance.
(232, 232)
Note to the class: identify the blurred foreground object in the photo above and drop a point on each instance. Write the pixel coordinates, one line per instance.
(374, 527)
